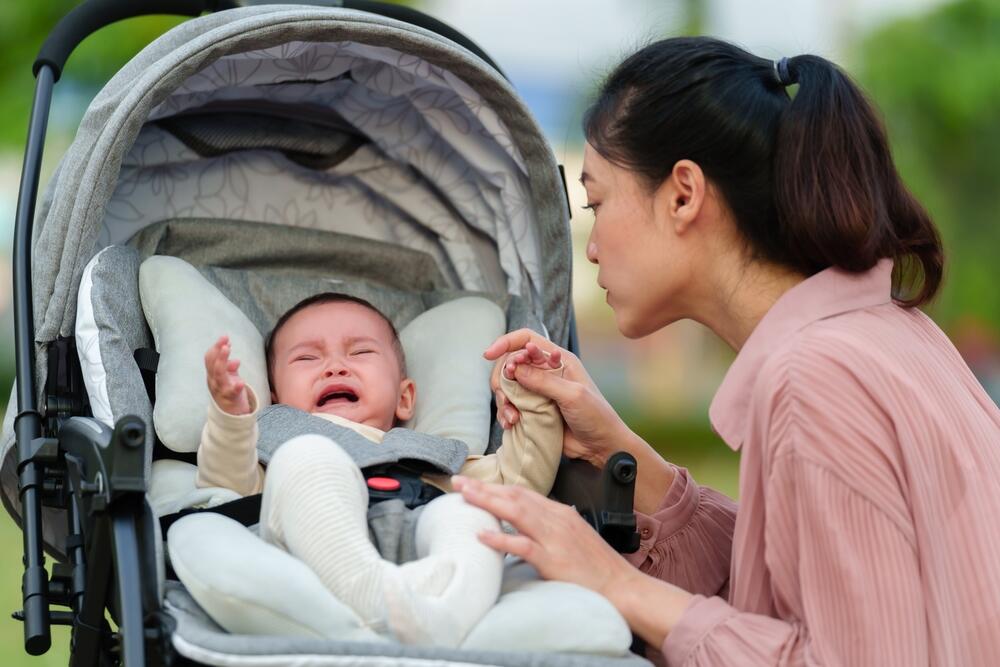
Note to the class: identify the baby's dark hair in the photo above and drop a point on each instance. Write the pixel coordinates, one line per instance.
(319, 299)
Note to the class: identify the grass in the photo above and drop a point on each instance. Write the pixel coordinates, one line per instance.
(12, 632)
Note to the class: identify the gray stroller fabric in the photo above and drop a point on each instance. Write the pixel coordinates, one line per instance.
(311, 144)
(418, 157)
(103, 172)
(199, 638)
(273, 249)
(68, 227)
(277, 424)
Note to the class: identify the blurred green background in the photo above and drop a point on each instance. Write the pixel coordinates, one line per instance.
(932, 67)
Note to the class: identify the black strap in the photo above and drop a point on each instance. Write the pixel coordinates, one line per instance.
(148, 359)
(246, 510)
(413, 491)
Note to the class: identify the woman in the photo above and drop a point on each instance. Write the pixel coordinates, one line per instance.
(868, 530)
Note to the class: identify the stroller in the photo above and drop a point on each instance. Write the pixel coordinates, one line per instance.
(276, 148)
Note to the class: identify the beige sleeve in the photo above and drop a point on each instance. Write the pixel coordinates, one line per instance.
(530, 452)
(227, 455)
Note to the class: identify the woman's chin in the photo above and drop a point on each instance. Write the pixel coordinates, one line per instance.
(634, 325)
(628, 326)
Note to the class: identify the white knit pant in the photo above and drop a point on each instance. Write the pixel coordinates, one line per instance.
(315, 507)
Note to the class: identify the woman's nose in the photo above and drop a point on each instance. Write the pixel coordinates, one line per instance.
(591, 252)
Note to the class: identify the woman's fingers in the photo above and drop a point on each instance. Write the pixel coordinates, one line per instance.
(516, 340)
(552, 537)
(550, 385)
(513, 504)
(516, 545)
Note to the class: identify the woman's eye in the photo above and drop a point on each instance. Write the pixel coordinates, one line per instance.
(591, 206)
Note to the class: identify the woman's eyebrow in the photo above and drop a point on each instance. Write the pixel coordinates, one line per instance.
(584, 177)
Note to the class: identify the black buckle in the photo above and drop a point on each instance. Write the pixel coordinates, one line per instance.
(394, 483)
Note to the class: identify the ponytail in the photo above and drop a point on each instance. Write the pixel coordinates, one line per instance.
(809, 180)
(839, 200)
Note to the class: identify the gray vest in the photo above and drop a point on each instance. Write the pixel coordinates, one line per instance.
(279, 423)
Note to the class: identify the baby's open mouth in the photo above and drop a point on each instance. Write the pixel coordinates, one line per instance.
(339, 396)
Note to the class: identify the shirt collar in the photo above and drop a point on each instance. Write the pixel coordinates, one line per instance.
(825, 294)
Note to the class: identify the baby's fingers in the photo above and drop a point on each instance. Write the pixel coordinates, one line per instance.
(235, 388)
(535, 354)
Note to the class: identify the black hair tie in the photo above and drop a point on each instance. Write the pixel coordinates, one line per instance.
(781, 72)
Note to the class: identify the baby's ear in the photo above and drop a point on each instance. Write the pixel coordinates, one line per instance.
(406, 405)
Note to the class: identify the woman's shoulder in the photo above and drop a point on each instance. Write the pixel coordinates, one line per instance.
(859, 347)
(838, 379)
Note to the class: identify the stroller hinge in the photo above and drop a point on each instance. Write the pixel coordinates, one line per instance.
(65, 392)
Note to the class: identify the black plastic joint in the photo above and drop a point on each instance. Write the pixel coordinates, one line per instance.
(43, 450)
(34, 582)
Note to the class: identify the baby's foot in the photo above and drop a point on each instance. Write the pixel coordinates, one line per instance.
(416, 610)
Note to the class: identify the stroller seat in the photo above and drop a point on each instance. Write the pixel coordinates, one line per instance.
(234, 583)
(282, 151)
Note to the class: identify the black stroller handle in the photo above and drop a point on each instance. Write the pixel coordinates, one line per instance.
(421, 20)
(92, 15)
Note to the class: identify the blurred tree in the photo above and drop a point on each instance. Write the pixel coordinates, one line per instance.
(936, 78)
(24, 27)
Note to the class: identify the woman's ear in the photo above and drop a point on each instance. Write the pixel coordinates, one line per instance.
(681, 196)
(407, 400)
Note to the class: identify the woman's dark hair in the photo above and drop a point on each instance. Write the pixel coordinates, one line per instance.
(809, 179)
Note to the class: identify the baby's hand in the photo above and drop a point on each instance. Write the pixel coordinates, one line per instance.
(531, 355)
(224, 382)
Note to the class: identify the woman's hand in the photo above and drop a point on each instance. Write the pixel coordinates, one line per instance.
(563, 547)
(531, 355)
(594, 430)
(552, 536)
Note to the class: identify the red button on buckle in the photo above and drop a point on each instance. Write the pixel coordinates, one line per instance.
(383, 484)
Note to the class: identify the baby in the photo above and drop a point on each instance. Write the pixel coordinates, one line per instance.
(338, 358)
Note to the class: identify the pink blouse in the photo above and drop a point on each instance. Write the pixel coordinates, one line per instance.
(868, 531)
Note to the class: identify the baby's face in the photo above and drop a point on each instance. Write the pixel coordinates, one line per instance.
(339, 358)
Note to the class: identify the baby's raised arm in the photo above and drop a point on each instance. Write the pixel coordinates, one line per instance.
(227, 454)
(227, 388)
(530, 452)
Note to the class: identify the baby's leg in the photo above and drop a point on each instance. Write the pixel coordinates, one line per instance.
(454, 581)
(315, 507)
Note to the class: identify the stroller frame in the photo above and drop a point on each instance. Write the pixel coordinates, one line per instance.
(70, 461)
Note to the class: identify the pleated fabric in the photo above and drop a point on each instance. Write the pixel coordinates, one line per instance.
(868, 531)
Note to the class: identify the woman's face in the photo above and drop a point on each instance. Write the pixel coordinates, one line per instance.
(643, 266)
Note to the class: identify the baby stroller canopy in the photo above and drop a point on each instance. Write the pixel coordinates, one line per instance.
(322, 119)
(464, 142)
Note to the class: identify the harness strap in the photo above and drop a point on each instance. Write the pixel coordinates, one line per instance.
(413, 491)
(148, 359)
(246, 510)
